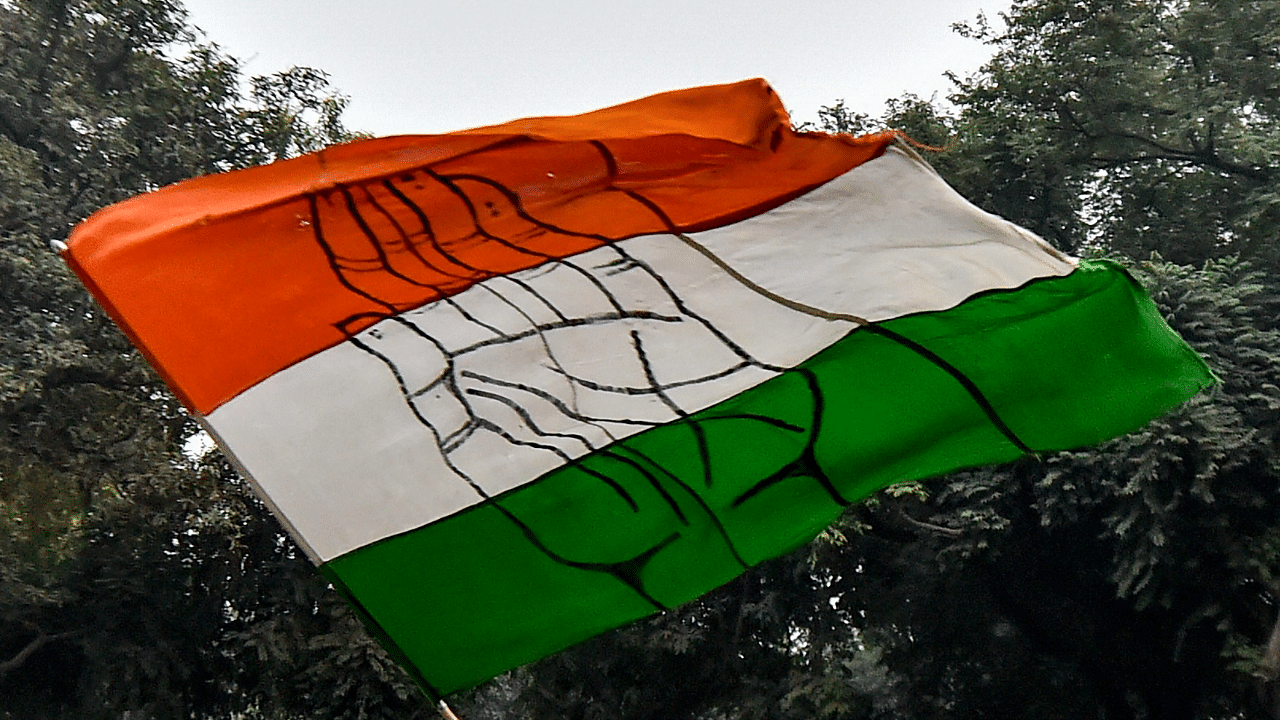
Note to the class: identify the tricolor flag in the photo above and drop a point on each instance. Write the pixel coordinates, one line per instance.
(514, 386)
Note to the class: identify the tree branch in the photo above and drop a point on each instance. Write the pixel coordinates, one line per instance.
(16, 661)
(1203, 157)
(1271, 658)
(1207, 155)
(38, 642)
(951, 532)
(54, 35)
(1267, 690)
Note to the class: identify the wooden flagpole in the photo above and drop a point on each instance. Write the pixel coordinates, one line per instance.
(446, 711)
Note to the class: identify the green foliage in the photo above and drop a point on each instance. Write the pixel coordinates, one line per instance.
(1161, 117)
(1133, 580)
(1139, 579)
(135, 577)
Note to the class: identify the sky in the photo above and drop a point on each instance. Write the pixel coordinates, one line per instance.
(430, 67)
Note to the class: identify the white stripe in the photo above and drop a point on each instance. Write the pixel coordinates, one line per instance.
(888, 239)
(426, 414)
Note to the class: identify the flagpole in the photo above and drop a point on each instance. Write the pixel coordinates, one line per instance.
(446, 711)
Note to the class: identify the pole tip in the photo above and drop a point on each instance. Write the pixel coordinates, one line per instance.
(58, 246)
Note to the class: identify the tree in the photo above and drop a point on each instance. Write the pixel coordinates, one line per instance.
(137, 574)
(1132, 580)
(1163, 115)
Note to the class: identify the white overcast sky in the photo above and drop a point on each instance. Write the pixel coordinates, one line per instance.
(430, 67)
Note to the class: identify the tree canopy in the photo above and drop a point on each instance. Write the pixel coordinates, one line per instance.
(135, 573)
(1138, 579)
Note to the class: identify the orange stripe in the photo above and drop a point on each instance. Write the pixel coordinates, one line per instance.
(224, 280)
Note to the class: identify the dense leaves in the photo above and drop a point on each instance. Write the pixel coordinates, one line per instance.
(1132, 580)
(137, 575)
(1159, 120)
(1139, 579)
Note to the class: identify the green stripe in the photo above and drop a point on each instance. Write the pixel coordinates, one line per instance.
(1063, 362)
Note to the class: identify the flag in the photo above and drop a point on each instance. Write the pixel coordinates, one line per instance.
(514, 386)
